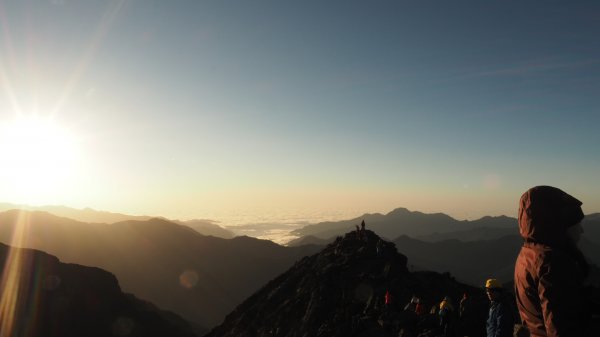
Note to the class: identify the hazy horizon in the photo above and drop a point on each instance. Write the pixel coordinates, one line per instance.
(306, 110)
(273, 227)
(241, 218)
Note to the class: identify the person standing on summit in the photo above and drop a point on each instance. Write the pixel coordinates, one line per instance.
(362, 233)
(550, 269)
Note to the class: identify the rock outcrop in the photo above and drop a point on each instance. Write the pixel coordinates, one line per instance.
(43, 297)
(340, 292)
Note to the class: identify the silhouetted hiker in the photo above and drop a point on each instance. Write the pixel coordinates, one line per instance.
(409, 317)
(465, 304)
(388, 299)
(550, 269)
(500, 322)
(412, 305)
(419, 308)
(363, 233)
(468, 316)
(447, 314)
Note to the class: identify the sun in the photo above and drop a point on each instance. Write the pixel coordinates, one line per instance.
(38, 158)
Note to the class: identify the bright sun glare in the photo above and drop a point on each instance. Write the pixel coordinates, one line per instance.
(37, 158)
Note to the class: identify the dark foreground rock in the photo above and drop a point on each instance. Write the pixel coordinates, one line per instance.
(43, 297)
(340, 292)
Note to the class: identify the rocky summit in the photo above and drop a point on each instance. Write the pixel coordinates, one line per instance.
(341, 291)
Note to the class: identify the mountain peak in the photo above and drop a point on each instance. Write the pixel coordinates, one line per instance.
(399, 211)
(336, 292)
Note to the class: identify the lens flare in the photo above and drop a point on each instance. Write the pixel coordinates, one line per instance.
(16, 278)
(188, 279)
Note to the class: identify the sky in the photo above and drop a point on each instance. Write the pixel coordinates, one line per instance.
(298, 109)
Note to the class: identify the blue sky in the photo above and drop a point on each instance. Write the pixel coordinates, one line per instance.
(201, 108)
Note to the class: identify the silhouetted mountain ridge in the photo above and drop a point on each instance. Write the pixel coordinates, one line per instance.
(207, 227)
(473, 234)
(591, 227)
(63, 300)
(89, 215)
(401, 221)
(199, 277)
(430, 227)
(470, 262)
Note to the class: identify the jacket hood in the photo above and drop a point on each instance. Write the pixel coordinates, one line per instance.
(545, 213)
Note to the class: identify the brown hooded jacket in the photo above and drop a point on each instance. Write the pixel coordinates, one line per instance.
(549, 270)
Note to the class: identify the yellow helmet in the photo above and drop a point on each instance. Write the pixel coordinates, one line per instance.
(493, 284)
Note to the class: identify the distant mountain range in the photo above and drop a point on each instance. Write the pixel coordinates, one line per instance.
(204, 227)
(404, 222)
(199, 277)
(591, 227)
(428, 227)
(42, 297)
(470, 262)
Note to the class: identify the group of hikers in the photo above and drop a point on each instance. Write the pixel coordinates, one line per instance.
(360, 231)
(549, 300)
(466, 319)
(500, 320)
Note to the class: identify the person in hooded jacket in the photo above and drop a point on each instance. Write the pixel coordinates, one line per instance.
(550, 269)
